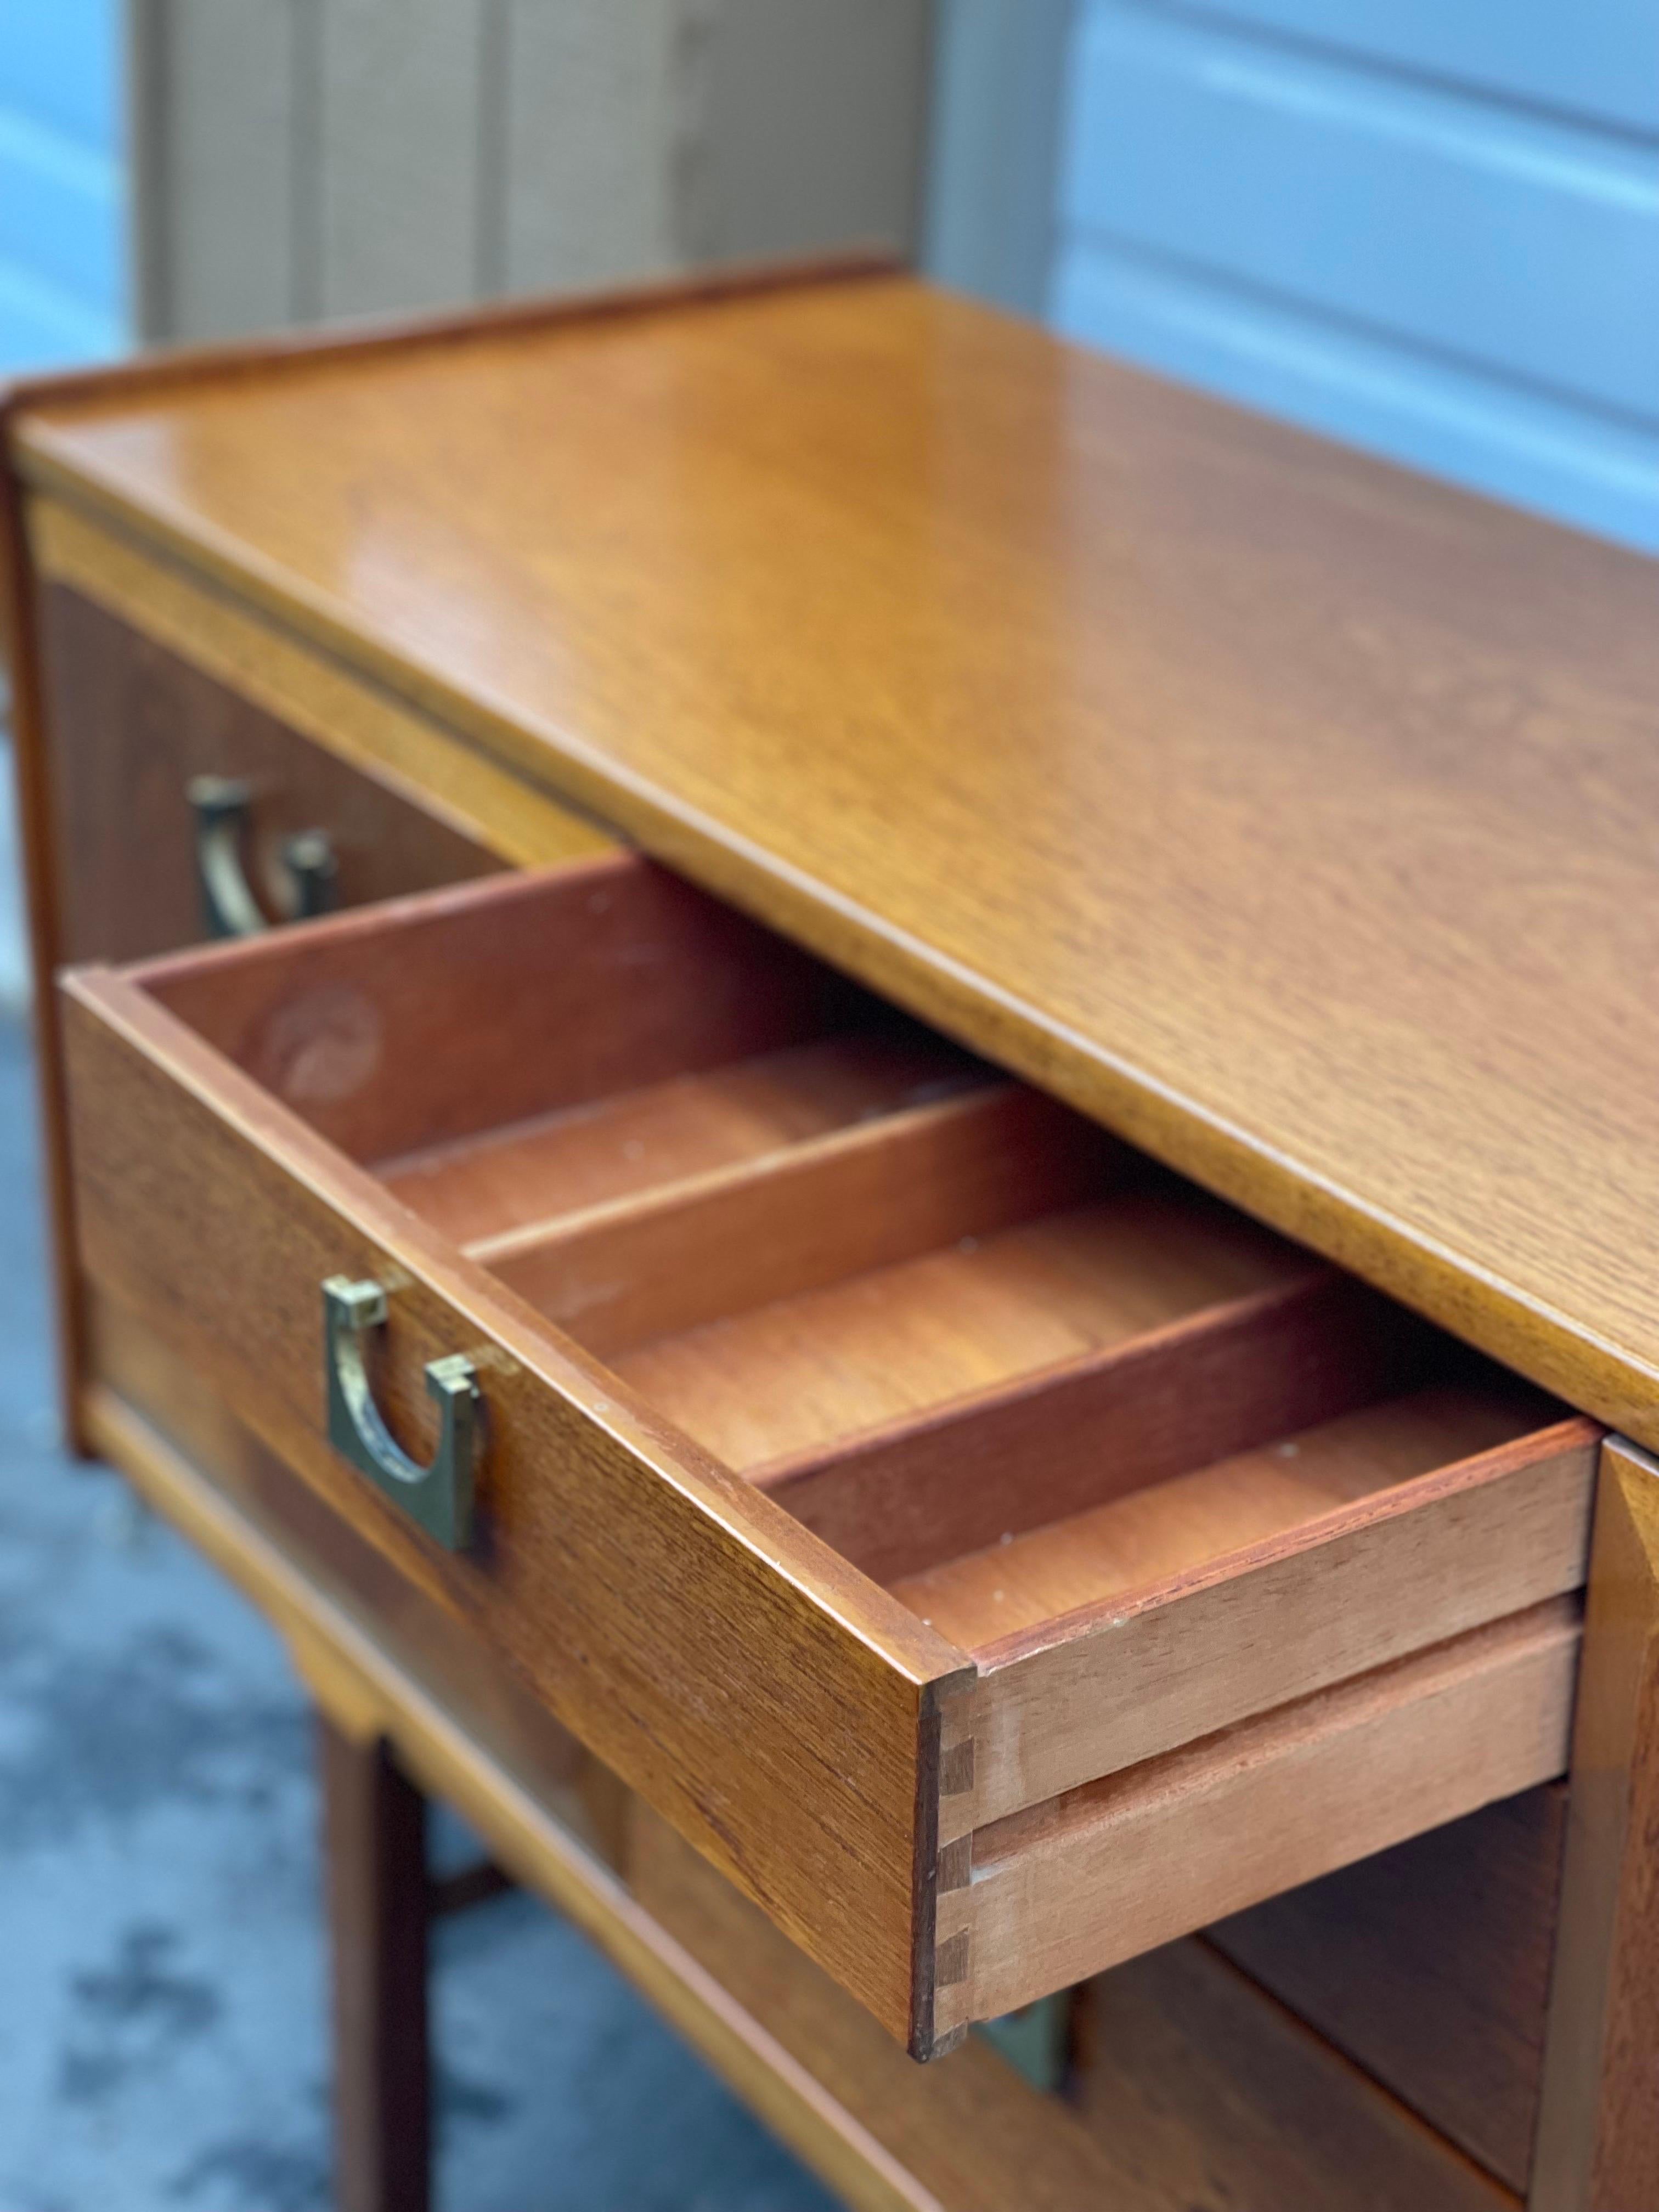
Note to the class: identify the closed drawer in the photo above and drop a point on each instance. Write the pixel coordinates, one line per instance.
(994, 1554)
(133, 727)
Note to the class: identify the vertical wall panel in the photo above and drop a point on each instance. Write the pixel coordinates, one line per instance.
(1344, 214)
(60, 64)
(62, 189)
(806, 125)
(397, 153)
(1598, 58)
(307, 159)
(999, 78)
(1510, 240)
(590, 130)
(225, 171)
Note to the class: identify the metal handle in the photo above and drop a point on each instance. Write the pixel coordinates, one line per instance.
(223, 805)
(439, 1496)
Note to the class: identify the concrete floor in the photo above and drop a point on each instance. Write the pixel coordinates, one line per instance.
(162, 1971)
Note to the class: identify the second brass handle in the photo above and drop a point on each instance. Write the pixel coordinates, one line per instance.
(438, 1497)
(223, 806)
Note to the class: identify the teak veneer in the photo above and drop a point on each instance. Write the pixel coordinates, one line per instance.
(1281, 810)
(1194, 2091)
(806, 1341)
(993, 1552)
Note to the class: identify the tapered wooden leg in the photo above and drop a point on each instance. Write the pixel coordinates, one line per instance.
(374, 1828)
(1598, 2136)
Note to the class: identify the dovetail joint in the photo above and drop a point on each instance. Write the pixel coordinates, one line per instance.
(956, 1769)
(951, 1968)
(956, 1864)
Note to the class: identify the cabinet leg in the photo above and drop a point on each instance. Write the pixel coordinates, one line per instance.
(375, 1833)
(1598, 2131)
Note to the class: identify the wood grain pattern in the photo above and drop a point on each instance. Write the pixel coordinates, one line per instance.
(516, 819)
(1155, 1535)
(336, 707)
(1429, 1965)
(1245, 1629)
(180, 368)
(1185, 2069)
(784, 1720)
(452, 1662)
(1598, 2121)
(607, 977)
(884, 1191)
(1116, 1868)
(1191, 2092)
(1150, 748)
(998, 1461)
(374, 1829)
(423, 1021)
(777, 1389)
(508, 1187)
(967, 2125)
(1210, 2105)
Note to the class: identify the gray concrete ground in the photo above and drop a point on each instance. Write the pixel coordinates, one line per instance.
(162, 1970)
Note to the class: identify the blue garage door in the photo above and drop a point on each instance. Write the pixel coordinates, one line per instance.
(62, 285)
(1431, 227)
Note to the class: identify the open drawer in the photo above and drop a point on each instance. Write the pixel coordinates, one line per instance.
(996, 1555)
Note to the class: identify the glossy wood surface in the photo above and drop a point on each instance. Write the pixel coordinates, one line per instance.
(1281, 811)
(337, 707)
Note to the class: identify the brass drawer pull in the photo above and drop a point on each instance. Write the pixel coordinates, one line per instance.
(221, 804)
(439, 1496)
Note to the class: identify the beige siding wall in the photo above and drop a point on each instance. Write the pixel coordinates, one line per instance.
(303, 159)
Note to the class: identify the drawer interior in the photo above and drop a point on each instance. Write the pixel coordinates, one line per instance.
(1006, 1366)
(871, 1446)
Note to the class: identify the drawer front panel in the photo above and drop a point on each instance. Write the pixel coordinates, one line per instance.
(131, 724)
(138, 1378)
(726, 1665)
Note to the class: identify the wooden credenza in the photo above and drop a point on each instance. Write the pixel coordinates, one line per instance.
(934, 1276)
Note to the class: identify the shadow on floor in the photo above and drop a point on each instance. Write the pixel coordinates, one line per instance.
(161, 1973)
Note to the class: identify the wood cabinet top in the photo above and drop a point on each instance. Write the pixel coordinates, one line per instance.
(1295, 815)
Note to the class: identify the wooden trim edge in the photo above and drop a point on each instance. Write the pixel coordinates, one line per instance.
(165, 368)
